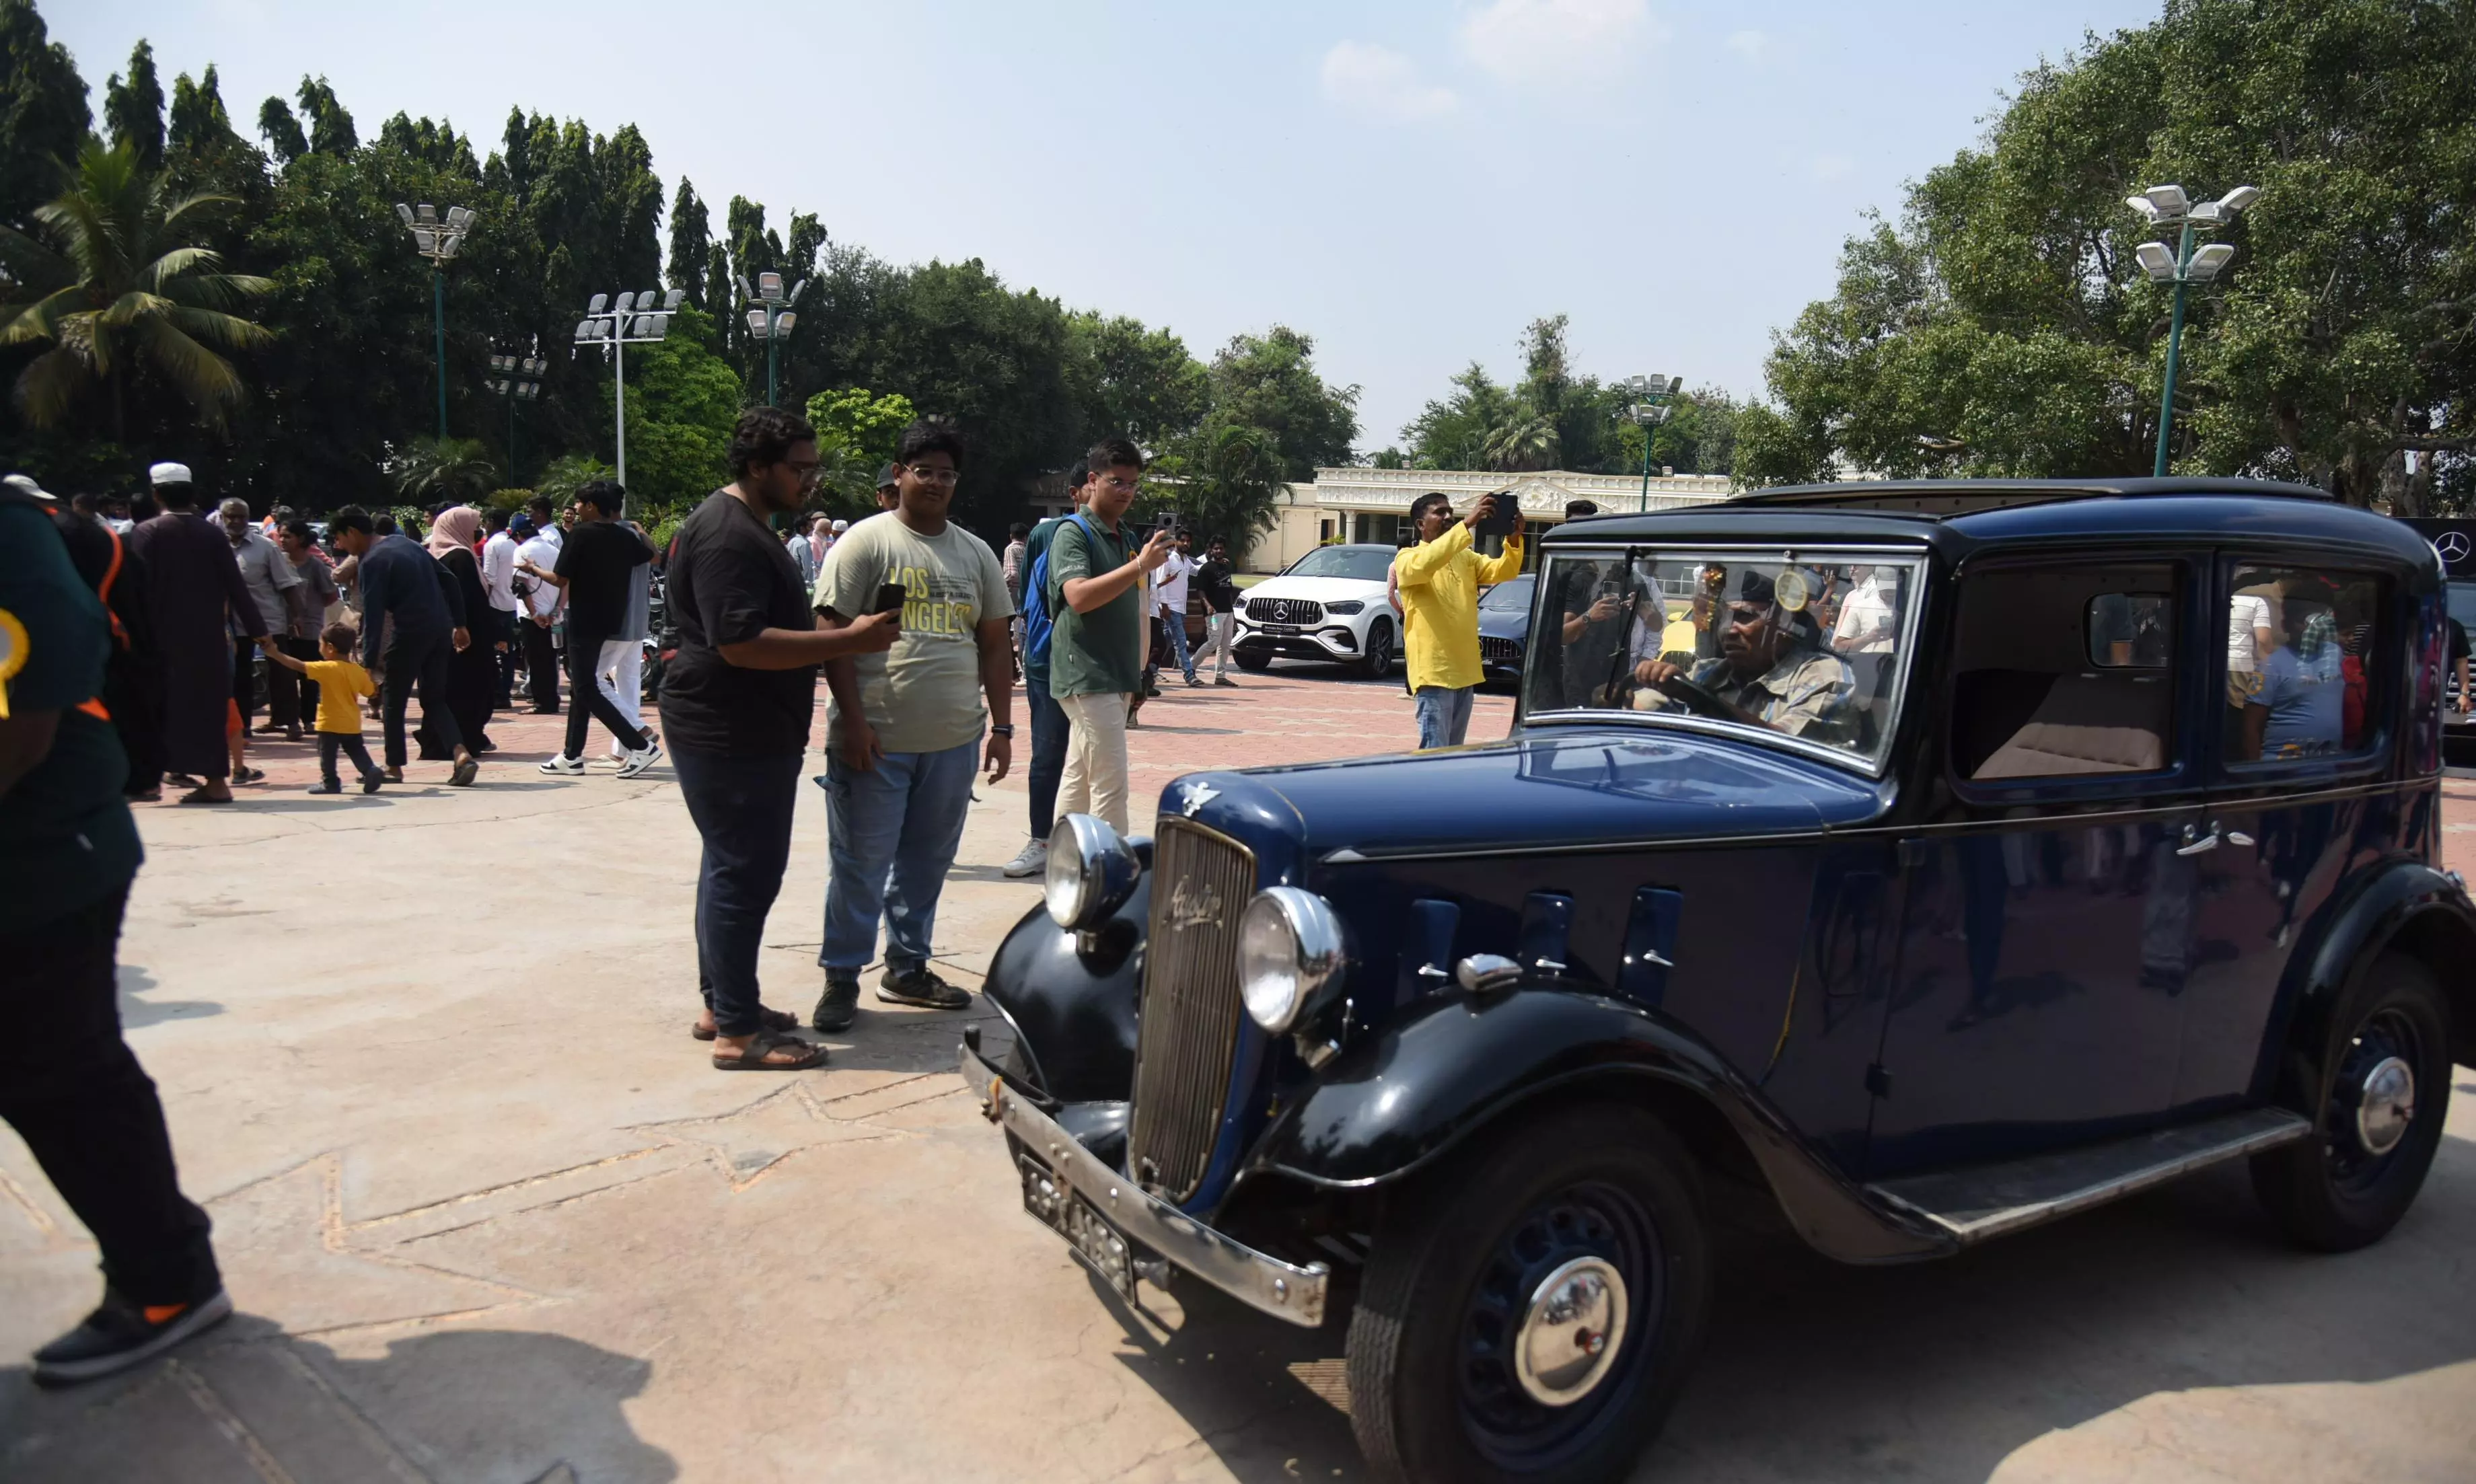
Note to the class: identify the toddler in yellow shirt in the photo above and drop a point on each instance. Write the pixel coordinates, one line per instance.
(342, 683)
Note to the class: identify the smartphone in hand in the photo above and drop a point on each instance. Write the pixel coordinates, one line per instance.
(1496, 519)
(889, 598)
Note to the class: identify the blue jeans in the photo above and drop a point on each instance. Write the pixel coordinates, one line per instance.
(1444, 715)
(891, 832)
(742, 808)
(1176, 624)
(1049, 735)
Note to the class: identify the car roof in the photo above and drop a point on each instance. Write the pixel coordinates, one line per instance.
(1959, 516)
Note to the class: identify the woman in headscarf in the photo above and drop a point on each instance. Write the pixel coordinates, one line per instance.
(472, 676)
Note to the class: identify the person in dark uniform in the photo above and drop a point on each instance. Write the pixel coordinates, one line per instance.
(68, 852)
(1773, 669)
(191, 584)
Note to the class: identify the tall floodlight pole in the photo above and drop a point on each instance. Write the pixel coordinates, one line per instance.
(515, 378)
(770, 319)
(2167, 206)
(437, 240)
(1651, 405)
(614, 325)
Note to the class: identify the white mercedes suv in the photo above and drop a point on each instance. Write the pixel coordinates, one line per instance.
(1329, 605)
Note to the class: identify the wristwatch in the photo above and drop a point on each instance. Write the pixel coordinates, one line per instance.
(1002, 730)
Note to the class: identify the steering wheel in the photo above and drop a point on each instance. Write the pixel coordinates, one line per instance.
(1696, 698)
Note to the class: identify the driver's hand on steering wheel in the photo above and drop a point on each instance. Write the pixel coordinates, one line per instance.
(1656, 672)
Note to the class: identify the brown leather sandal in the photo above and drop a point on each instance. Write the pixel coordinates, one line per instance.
(757, 1057)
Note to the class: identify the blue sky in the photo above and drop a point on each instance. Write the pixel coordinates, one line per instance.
(1410, 184)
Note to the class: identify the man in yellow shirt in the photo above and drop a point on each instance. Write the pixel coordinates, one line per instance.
(1439, 580)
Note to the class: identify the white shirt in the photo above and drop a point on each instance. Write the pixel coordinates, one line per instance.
(2246, 612)
(499, 571)
(1169, 582)
(1866, 609)
(542, 550)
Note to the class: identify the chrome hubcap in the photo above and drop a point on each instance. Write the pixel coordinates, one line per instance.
(2385, 1105)
(1570, 1332)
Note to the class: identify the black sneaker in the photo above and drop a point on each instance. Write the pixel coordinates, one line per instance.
(838, 1006)
(122, 1334)
(371, 780)
(327, 786)
(922, 987)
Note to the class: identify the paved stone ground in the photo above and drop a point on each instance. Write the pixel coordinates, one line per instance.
(488, 1216)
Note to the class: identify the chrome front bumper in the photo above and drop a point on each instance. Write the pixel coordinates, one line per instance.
(1280, 1289)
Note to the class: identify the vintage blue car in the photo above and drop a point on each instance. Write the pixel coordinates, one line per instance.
(1979, 854)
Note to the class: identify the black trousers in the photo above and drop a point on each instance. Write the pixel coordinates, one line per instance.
(420, 662)
(74, 1092)
(585, 700)
(282, 702)
(349, 744)
(742, 810)
(299, 690)
(508, 624)
(541, 664)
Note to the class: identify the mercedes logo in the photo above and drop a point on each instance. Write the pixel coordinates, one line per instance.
(2453, 546)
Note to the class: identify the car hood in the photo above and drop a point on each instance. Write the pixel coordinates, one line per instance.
(1504, 623)
(1557, 787)
(1320, 589)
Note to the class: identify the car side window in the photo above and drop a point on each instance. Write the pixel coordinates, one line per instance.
(2064, 671)
(2299, 639)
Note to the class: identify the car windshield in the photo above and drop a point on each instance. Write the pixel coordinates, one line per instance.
(1808, 645)
(1364, 563)
(2463, 603)
(1512, 593)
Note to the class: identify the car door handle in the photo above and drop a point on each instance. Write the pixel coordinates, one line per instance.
(2237, 837)
(2200, 846)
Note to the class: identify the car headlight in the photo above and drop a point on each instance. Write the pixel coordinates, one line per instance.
(1292, 953)
(1091, 871)
(1345, 605)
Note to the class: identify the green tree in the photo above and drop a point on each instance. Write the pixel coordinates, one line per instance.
(683, 400)
(282, 132)
(1137, 382)
(330, 126)
(2000, 326)
(429, 471)
(1270, 382)
(691, 248)
(44, 114)
(1225, 477)
(134, 110)
(857, 433)
(110, 281)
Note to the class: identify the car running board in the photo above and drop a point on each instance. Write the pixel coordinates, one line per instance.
(1978, 1201)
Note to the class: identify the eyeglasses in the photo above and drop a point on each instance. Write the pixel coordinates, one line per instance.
(1122, 486)
(934, 475)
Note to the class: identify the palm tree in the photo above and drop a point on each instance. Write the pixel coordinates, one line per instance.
(108, 281)
(430, 470)
(1524, 440)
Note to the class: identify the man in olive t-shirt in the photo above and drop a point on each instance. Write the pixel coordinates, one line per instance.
(1098, 592)
(905, 726)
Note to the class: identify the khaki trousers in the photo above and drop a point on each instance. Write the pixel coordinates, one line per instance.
(1096, 758)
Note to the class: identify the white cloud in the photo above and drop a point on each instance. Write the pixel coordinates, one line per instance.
(1381, 81)
(1749, 44)
(1556, 41)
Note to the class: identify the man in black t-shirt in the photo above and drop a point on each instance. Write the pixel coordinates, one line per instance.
(736, 702)
(596, 564)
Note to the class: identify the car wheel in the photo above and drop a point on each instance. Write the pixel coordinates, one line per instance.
(1530, 1311)
(1377, 658)
(1252, 662)
(2377, 1093)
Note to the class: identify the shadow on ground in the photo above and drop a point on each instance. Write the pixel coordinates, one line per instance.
(1936, 1371)
(252, 1404)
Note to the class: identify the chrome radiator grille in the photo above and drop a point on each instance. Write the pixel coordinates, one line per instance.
(1188, 1030)
(1284, 610)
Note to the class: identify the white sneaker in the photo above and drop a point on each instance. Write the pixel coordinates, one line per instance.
(564, 765)
(1031, 860)
(638, 762)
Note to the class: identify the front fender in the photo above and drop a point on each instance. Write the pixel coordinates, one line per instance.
(1404, 1097)
(2404, 904)
(1070, 1000)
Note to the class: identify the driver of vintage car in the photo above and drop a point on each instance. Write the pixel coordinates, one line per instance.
(1773, 669)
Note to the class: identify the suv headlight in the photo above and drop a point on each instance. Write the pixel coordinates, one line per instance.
(1345, 605)
(1091, 871)
(1292, 954)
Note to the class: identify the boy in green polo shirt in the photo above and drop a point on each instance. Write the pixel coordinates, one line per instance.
(1096, 656)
